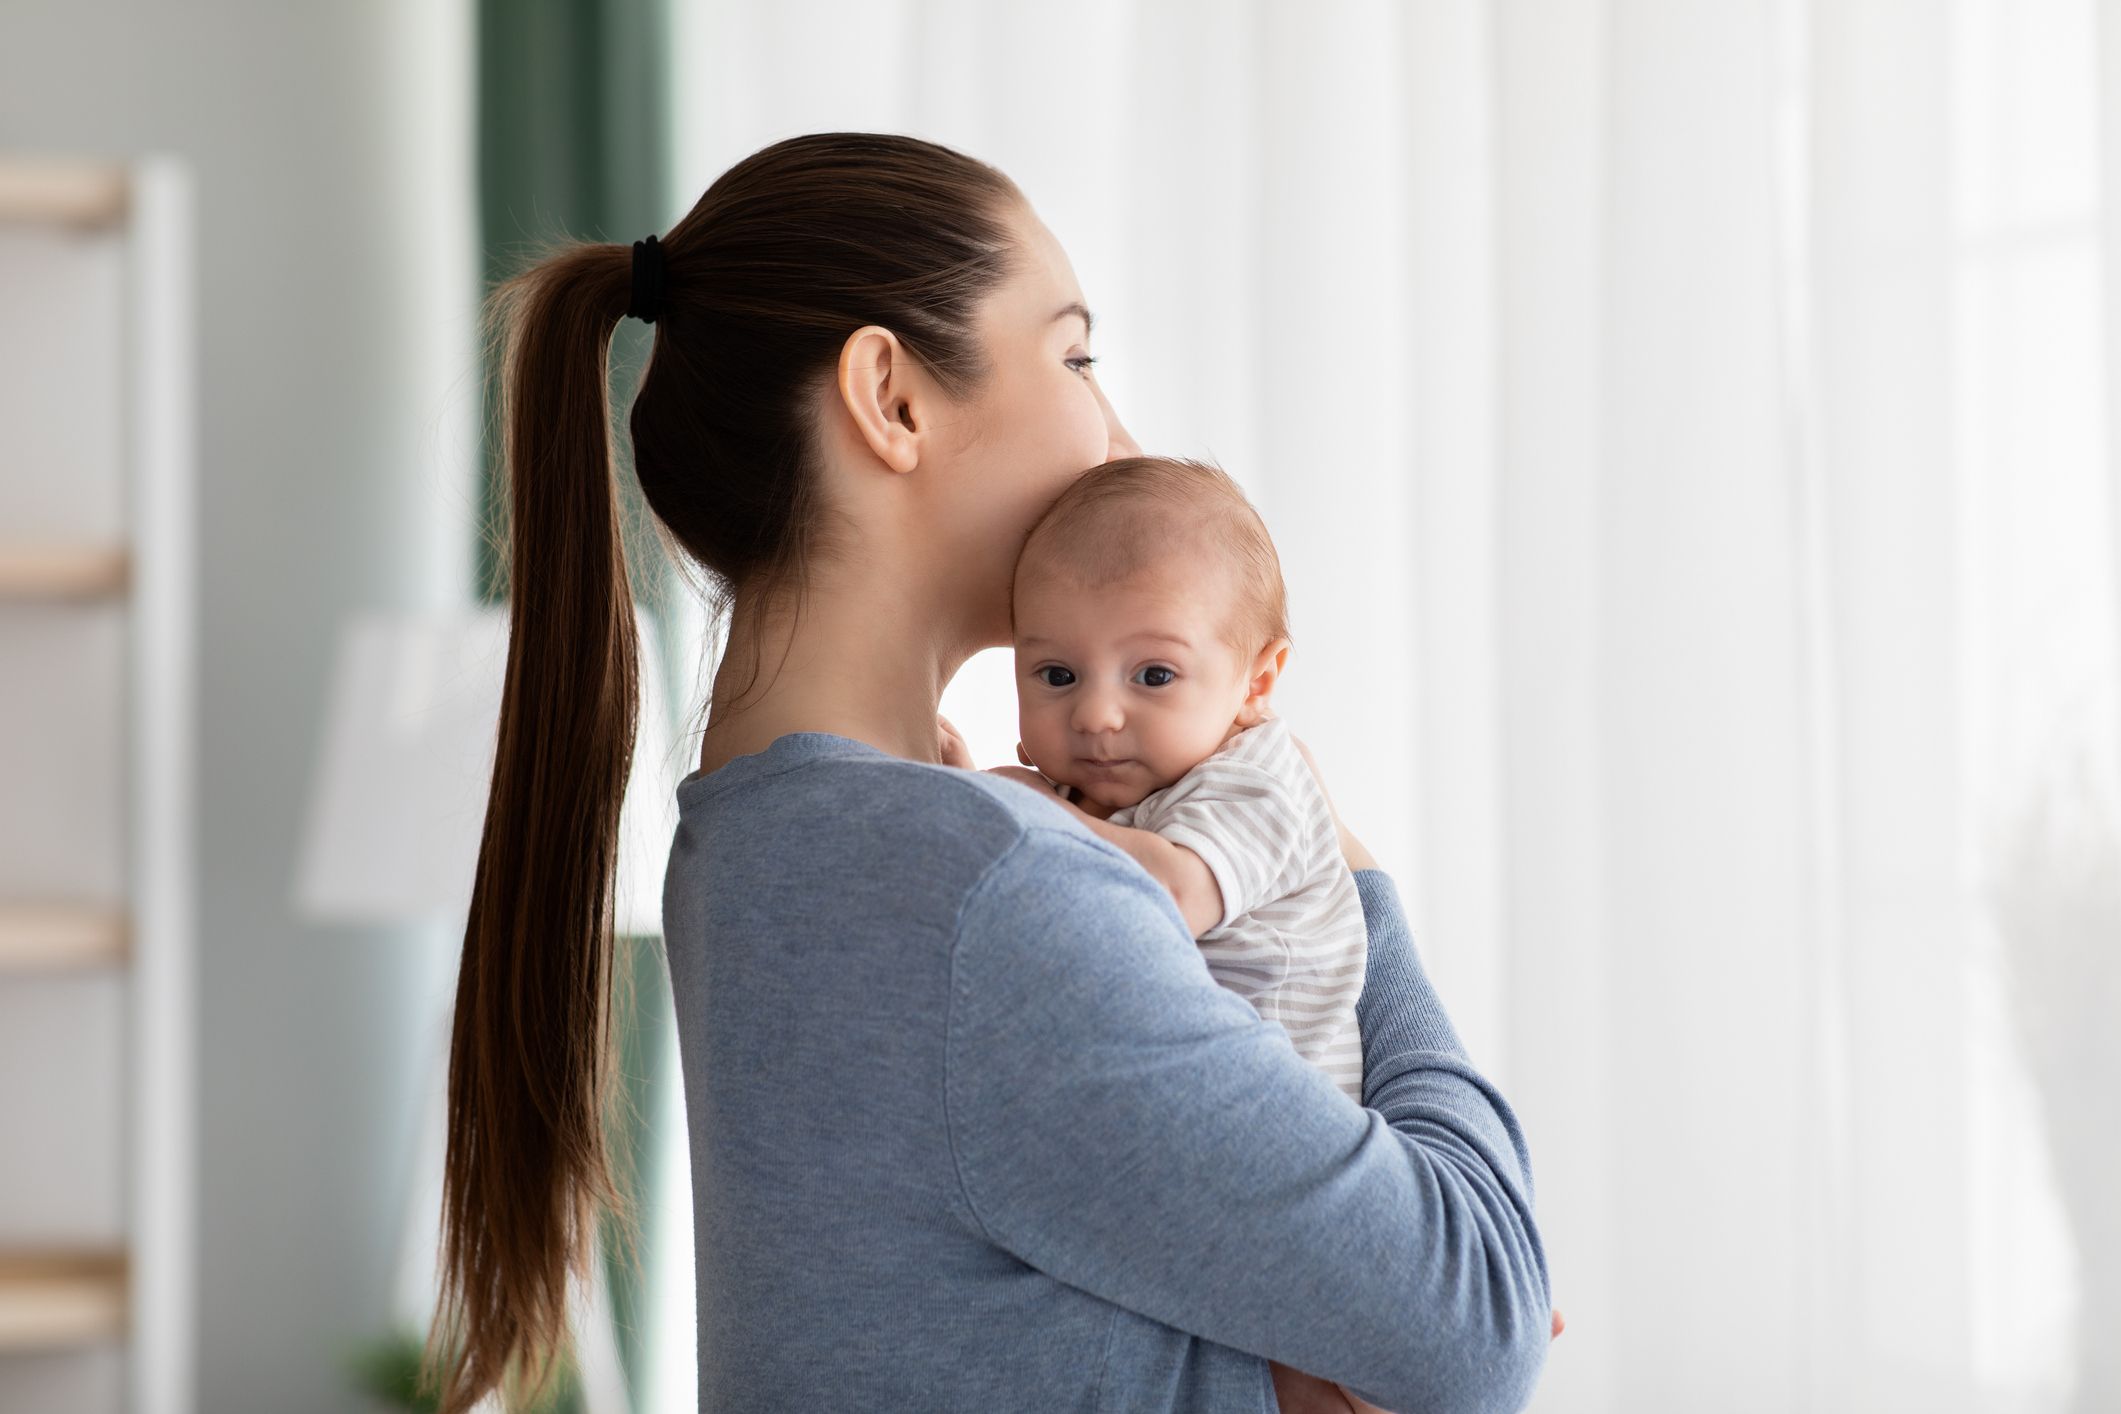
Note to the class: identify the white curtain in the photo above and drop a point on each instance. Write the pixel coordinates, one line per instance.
(1685, 424)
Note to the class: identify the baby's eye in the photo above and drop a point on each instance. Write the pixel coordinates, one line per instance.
(1066, 677)
(1150, 680)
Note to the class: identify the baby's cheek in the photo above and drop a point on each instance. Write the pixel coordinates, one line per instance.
(1035, 729)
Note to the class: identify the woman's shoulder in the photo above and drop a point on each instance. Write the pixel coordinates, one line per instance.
(850, 810)
(1044, 843)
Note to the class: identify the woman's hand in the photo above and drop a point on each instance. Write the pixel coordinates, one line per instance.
(1298, 1393)
(952, 746)
(1357, 856)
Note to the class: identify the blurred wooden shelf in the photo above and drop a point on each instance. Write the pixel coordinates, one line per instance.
(63, 571)
(56, 191)
(98, 1151)
(61, 937)
(49, 1300)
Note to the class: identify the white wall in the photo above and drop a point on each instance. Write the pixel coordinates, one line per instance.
(331, 147)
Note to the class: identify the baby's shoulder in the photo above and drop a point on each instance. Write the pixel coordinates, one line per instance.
(1267, 743)
(1257, 771)
(1261, 759)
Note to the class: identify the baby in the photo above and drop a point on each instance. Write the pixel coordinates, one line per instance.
(1151, 626)
(1150, 629)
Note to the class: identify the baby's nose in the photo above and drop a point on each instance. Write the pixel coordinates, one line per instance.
(1098, 712)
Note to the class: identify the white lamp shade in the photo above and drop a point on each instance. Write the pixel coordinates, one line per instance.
(400, 797)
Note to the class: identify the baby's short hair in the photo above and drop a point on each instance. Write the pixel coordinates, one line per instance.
(1117, 519)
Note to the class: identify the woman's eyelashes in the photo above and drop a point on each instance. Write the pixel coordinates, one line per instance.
(1081, 363)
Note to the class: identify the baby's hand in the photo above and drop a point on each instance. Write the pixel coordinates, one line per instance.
(953, 749)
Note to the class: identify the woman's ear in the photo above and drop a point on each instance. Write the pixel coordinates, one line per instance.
(885, 394)
(1259, 686)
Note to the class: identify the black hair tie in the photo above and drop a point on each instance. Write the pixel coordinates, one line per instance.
(647, 300)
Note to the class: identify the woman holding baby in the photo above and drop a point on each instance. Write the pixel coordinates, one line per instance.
(1115, 1085)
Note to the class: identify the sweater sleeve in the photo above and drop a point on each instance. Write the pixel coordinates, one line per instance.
(1127, 1126)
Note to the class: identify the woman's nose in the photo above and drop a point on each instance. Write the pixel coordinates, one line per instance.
(1120, 443)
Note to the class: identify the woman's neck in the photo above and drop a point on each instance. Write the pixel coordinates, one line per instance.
(871, 667)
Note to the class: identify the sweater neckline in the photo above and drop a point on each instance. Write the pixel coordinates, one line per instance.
(783, 753)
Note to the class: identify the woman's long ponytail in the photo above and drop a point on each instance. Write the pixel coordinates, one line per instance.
(530, 1062)
(790, 250)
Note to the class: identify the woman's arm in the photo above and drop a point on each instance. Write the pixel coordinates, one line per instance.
(1125, 1124)
(1360, 859)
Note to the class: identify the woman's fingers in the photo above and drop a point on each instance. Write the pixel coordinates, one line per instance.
(1351, 847)
(1298, 1393)
(1558, 1322)
(1318, 775)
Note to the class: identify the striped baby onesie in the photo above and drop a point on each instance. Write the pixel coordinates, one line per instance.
(1291, 940)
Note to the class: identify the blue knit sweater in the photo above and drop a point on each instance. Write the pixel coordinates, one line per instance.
(973, 1129)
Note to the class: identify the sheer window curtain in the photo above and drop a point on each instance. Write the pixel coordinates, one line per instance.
(1686, 428)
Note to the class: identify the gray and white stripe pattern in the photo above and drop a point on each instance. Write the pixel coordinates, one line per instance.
(1291, 940)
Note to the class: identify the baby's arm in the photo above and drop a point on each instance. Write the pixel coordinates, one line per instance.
(1184, 874)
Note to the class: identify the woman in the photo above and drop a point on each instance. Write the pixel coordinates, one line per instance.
(971, 1126)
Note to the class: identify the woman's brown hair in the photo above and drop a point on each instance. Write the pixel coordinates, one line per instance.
(788, 253)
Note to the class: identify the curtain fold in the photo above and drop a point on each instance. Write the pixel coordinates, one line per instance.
(1888, 1015)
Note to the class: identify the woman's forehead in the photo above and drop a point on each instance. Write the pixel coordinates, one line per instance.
(1041, 288)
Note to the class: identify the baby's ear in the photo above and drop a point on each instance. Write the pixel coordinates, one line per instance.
(1267, 669)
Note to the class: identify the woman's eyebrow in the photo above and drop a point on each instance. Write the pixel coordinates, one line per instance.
(1078, 308)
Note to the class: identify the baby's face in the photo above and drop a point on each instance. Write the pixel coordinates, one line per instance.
(1121, 690)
